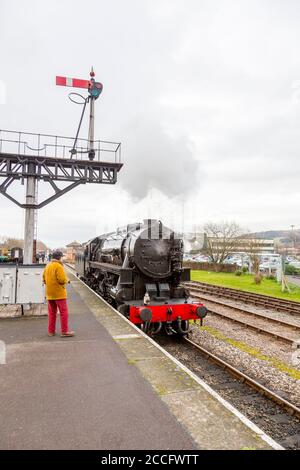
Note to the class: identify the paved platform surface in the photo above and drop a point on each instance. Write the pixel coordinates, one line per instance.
(77, 393)
(107, 388)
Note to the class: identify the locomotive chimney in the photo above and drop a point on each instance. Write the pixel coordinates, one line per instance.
(148, 222)
(153, 228)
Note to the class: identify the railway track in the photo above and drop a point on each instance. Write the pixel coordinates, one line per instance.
(273, 303)
(279, 336)
(289, 407)
(292, 329)
(273, 413)
(278, 408)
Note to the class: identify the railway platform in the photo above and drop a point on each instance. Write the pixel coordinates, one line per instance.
(109, 387)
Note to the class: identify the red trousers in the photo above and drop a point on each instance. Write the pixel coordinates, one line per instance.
(62, 306)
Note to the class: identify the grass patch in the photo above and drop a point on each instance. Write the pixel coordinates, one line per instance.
(131, 362)
(246, 283)
(161, 390)
(279, 365)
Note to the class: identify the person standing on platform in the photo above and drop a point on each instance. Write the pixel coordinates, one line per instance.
(55, 279)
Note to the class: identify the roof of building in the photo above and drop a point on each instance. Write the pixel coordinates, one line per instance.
(73, 244)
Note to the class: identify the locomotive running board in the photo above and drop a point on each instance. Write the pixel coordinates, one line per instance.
(113, 268)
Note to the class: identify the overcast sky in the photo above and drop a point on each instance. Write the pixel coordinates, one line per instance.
(204, 96)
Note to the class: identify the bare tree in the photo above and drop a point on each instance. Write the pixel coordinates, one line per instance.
(253, 251)
(222, 239)
(10, 242)
(293, 236)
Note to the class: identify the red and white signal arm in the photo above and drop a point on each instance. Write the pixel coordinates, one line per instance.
(73, 82)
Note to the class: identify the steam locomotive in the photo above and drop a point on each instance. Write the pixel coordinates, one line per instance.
(138, 269)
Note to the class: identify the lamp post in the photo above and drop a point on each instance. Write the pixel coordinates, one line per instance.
(293, 236)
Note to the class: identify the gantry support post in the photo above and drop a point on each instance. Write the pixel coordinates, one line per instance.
(29, 218)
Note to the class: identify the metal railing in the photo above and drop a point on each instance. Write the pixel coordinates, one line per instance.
(55, 146)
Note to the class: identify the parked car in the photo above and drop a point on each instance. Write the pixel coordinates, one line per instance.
(295, 264)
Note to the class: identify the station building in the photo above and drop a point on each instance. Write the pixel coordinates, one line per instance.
(244, 245)
(72, 250)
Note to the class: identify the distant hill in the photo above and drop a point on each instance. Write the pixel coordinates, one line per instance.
(284, 235)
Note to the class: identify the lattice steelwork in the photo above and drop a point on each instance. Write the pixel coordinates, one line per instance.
(54, 158)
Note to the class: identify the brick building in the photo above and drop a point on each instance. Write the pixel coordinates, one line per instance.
(72, 249)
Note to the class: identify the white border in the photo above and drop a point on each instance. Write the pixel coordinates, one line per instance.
(203, 384)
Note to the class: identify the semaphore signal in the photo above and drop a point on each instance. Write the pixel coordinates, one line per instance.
(95, 89)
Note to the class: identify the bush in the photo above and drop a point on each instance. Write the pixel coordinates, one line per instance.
(258, 278)
(271, 277)
(238, 272)
(245, 269)
(291, 270)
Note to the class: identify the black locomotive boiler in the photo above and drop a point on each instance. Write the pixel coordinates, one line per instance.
(139, 270)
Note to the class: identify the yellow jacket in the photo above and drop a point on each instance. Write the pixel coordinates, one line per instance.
(55, 278)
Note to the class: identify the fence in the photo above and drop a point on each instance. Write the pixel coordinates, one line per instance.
(217, 268)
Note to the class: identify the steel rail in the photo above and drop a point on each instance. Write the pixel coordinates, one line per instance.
(248, 297)
(259, 329)
(251, 294)
(292, 409)
(245, 311)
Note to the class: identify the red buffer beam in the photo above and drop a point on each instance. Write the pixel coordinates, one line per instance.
(72, 82)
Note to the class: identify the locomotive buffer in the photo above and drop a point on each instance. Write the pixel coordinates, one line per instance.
(34, 158)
